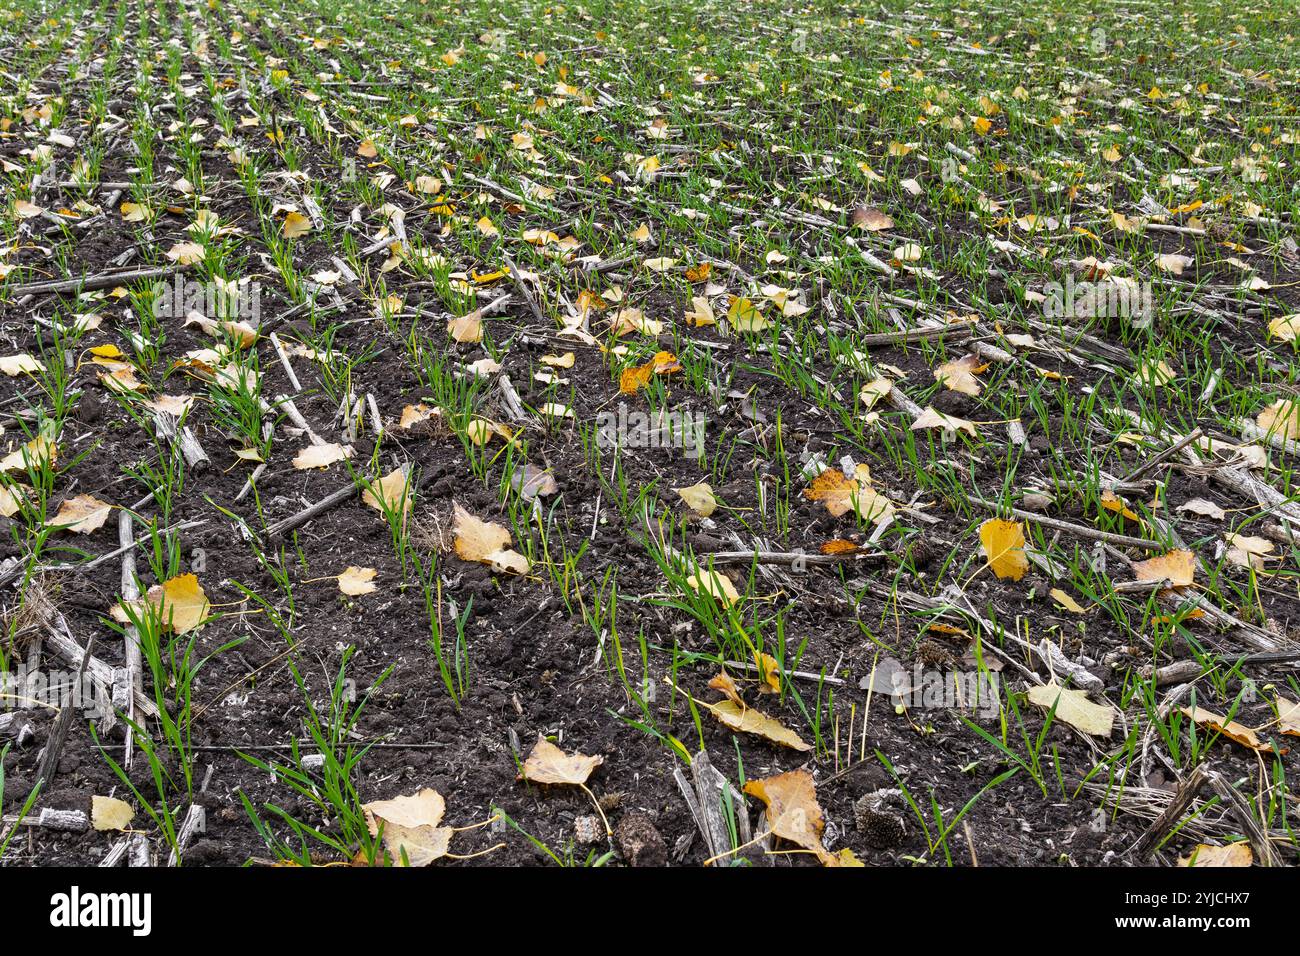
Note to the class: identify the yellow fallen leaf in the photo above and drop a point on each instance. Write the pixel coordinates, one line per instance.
(1281, 418)
(480, 431)
(484, 542)
(413, 415)
(390, 493)
(715, 585)
(870, 219)
(840, 494)
(1155, 372)
(701, 313)
(559, 361)
(700, 272)
(320, 456)
(932, 418)
(12, 499)
(356, 581)
(295, 225)
(633, 320)
(109, 813)
(121, 379)
(466, 328)
(1288, 716)
(744, 315)
(1074, 708)
(186, 253)
(959, 374)
(1113, 502)
(1067, 602)
(136, 212)
(723, 683)
(1004, 546)
(1233, 855)
(632, 380)
(769, 673)
(1177, 567)
(838, 546)
(742, 719)
(874, 391)
(241, 333)
(81, 514)
(699, 498)
(547, 763)
(14, 365)
(1248, 551)
(411, 827)
(1286, 327)
(37, 453)
(428, 185)
(1174, 263)
(180, 603)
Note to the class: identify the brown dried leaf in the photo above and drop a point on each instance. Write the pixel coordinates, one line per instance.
(792, 810)
(1229, 728)
(870, 219)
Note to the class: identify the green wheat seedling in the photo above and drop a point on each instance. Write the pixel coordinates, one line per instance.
(342, 826)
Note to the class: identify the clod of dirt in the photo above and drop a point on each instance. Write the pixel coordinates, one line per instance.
(17, 790)
(640, 842)
(704, 543)
(865, 777)
(880, 826)
(89, 409)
